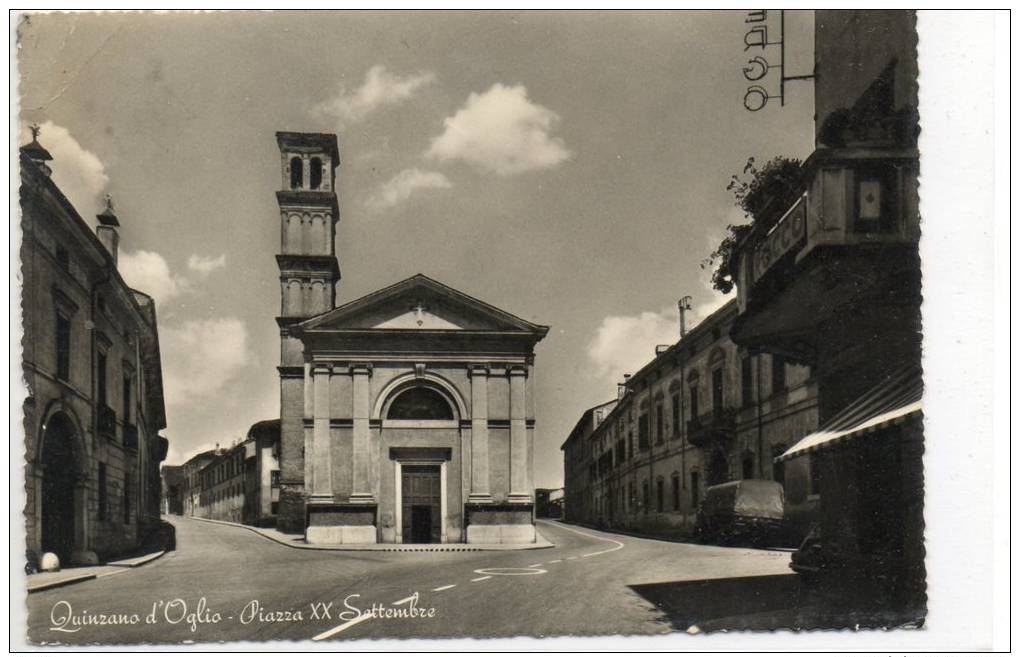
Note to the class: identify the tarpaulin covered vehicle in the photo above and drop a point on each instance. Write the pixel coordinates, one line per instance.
(744, 511)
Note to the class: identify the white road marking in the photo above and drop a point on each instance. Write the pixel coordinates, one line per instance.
(479, 579)
(443, 588)
(535, 565)
(571, 558)
(618, 545)
(403, 600)
(556, 561)
(340, 628)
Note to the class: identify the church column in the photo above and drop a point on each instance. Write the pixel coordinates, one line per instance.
(362, 487)
(479, 434)
(518, 436)
(322, 466)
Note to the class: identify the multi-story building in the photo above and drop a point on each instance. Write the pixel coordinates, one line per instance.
(701, 412)
(262, 482)
(836, 283)
(222, 482)
(579, 466)
(90, 357)
(191, 484)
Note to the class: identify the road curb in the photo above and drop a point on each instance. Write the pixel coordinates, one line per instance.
(385, 547)
(138, 561)
(74, 579)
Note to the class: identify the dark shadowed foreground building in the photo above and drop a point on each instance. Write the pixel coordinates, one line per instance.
(836, 284)
(407, 416)
(90, 357)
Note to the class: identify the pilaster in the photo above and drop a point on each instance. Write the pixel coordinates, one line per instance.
(480, 491)
(362, 491)
(519, 491)
(322, 470)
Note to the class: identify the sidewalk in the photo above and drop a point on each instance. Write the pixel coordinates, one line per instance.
(298, 542)
(51, 580)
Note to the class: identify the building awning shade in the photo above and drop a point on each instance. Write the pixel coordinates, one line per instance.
(893, 401)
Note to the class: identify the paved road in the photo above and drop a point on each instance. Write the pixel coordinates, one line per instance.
(590, 583)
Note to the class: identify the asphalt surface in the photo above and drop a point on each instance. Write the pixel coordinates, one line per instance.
(226, 583)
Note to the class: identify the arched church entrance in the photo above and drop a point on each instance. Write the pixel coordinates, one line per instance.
(420, 428)
(59, 462)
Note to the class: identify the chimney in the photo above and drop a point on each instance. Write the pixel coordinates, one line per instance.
(107, 231)
(621, 388)
(35, 152)
(660, 348)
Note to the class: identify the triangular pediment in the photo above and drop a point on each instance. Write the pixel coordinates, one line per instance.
(420, 303)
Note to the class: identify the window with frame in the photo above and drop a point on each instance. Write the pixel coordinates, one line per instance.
(778, 374)
(660, 424)
(274, 479)
(815, 463)
(746, 382)
(646, 496)
(717, 390)
(643, 429)
(63, 347)
(694, 399)
(126, 397)
(660, 495)
(675, 481)
(63, 258)
(695, 490)
(747, 466)
(101, 378)
(127, 500)
(779, 467)
(103, 506)
(675, 407)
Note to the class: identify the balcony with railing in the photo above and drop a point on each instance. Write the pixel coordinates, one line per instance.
(856, 225)
(106, 421)
(716, 426)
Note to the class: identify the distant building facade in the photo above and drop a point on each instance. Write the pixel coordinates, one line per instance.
(172, 477)
(223, 484)
(237, 484)
(90, 357)
(702, 412)
(406, 415)
(548, 502)
(262, 484)
(191, 482)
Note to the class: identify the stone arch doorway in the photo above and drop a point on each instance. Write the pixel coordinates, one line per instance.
(718, 469)
(59, 513)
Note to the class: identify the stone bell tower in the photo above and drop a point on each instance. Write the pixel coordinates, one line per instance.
(309, 275)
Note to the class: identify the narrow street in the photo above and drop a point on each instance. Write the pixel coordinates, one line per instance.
(255, 589)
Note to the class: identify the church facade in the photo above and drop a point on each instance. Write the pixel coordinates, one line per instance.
(407, 416)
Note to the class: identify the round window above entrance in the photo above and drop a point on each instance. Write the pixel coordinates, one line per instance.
(420, 403)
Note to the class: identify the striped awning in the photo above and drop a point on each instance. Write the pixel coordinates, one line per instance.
(892, 401)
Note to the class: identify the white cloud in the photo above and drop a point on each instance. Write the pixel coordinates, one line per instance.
(201, 357)
(78, 172)
(380, 88)
(501, 131)
(204, 266)
(148, 272)
(400, 187)
(624, 344)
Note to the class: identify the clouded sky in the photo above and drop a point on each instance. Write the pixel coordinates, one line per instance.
(570, 168)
